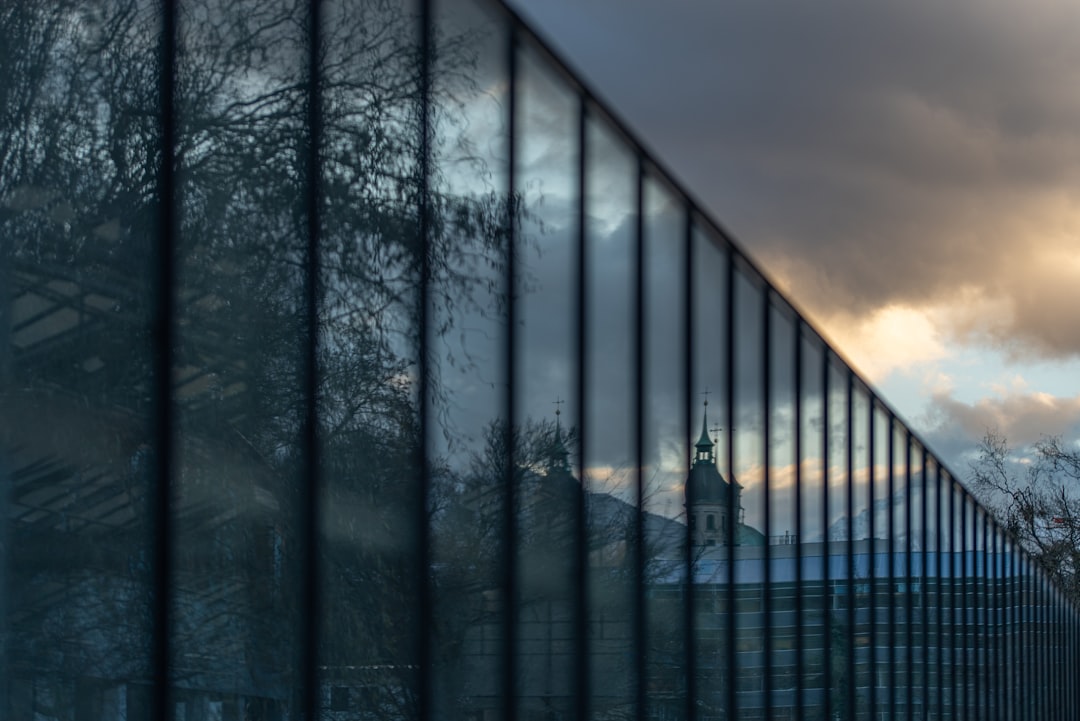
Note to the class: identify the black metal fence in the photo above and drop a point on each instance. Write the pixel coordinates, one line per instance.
(352, 360)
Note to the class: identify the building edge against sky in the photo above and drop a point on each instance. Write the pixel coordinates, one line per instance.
(270, 419)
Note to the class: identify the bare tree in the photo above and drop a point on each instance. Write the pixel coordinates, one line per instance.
(1037, 499)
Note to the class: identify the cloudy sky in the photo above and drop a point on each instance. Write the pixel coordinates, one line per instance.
(908, 171)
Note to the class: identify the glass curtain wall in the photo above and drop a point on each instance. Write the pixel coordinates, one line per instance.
(357, 363)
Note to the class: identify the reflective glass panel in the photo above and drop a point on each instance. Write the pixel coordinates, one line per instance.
(611, 416)
(785, 624)
(748, 479)
(706, 488)
(666, 449)
(546, 407)
(79, 467)
(474, 447)
(812, 521)
(239, 358)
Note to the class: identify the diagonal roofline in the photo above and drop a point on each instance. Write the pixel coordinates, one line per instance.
(594, 101)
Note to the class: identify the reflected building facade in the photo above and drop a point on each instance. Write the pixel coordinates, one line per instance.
(284, 287)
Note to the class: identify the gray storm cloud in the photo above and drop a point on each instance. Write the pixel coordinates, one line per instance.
(922, 154)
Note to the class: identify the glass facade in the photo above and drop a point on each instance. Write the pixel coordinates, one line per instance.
(357, 363)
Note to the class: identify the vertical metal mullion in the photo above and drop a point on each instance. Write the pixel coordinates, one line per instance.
(1053, 630)
(1039, 673)
(997, 684)
(910, 554)
(800, 644)
(1023, 655)
(989, 561)
(310, 602)
(872, 551)
(997, 624)
(1010, 670)
(1012, 628)
(766, 400)
(960, 661)
(640, 647)
(164, 342)
(964, 626)
(509, 580)
(1028, 626)
(1007, 674)
(826, 594)
(688, 609)
(924, 595)
(1036, 644)
(1001, 648)
(1062, 663)
(983, 657)
(581, 559)
(1059, 659)
(942, 607)
(993, 699)
(1059, 656)
(1020, 653)
(1001, 678)
(1018, 658)
(733, 510)
(890, 455)
(1041, 644)
(849, 551)
(1027, 639)
(1041, 670)
(1051, 646)
(975, 580)
(1066, 657)
(1051, 643)
(1061, 636)
(1032, 640)
(951, 606)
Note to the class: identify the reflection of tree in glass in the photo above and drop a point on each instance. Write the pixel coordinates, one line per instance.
(79, 166)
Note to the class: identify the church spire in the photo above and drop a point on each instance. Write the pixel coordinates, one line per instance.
(561, 455)
(704, 445)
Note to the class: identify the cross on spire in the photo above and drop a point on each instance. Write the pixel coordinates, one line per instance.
(706, 393)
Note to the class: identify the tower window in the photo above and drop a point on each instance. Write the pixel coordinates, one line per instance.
(710, 522)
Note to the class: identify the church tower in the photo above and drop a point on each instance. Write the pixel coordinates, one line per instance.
(708, 495)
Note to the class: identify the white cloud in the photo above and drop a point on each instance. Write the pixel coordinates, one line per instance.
(891, 338)
(1020, 415)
